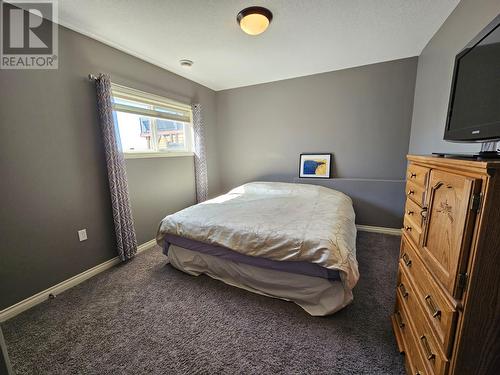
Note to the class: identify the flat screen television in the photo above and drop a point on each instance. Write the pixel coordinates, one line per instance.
(474, 107)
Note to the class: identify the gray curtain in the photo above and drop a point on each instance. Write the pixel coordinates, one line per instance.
(126, 241)
(200, 158)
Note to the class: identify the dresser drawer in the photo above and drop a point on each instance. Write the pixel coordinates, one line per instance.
(414, 213)
(406, 338)
(429, 349)
(417, 174)
(438, 310)
(416, 193)
(412, 231)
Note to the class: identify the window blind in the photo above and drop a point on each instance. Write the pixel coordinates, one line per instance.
(130, 100)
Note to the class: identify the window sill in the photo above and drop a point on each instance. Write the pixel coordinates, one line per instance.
(148, 155)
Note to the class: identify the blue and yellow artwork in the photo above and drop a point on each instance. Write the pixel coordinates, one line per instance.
(315, 166)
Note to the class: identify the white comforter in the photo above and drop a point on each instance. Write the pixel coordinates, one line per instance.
(279, 221)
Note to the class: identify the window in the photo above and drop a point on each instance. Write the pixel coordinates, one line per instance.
(150, 125)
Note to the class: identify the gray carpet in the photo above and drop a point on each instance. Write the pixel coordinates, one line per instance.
(145, 317)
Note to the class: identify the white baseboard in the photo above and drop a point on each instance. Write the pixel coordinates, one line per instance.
(384, 230)
(146, 245)
(29, 302)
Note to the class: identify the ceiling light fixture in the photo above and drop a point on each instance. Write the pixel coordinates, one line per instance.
(254, 20)
(185, 63)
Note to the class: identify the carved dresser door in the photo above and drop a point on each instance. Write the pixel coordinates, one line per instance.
(448, 226)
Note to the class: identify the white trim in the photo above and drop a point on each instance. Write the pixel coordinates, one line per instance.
(147, 155)
(146, 245)
(148, 112)
(29, 302)
(384, 230)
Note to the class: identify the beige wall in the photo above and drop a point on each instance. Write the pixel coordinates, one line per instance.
(435, 70)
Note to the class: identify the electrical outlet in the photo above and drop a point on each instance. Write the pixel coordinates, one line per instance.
(82, 234)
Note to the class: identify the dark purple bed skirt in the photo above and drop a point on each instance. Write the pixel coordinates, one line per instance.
(302, 268)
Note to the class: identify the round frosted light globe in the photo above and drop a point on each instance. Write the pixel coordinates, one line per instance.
(254, 24)
(254, 20)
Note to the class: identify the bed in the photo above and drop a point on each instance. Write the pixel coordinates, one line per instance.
(290, 241)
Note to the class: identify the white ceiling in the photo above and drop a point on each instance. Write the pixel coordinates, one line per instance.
(305, 36)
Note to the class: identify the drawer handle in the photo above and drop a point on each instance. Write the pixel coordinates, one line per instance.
(411, 192)
(423, 213)
(413, 175)
(403, 290)
(428, 352)
(436, 313)
(408, 228)
(409, 212)
(399, 320)
(407, 260)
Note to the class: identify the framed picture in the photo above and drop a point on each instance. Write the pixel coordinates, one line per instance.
(315, 165)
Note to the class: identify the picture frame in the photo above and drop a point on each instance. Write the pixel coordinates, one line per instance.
(315, 165)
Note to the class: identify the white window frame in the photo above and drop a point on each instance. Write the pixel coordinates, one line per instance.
(183, 114)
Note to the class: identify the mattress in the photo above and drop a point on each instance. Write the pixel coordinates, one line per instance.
(317, 296)
(277, 221)
(294, 230)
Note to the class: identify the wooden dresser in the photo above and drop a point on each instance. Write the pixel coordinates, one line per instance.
(447, 314)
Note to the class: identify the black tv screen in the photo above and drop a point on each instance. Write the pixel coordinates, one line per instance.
(474, 109)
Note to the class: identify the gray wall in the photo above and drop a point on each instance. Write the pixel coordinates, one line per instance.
(376, 202)
(53, 170)
(361, 115)
(435, 69)
(52, 166)
(159, 187)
